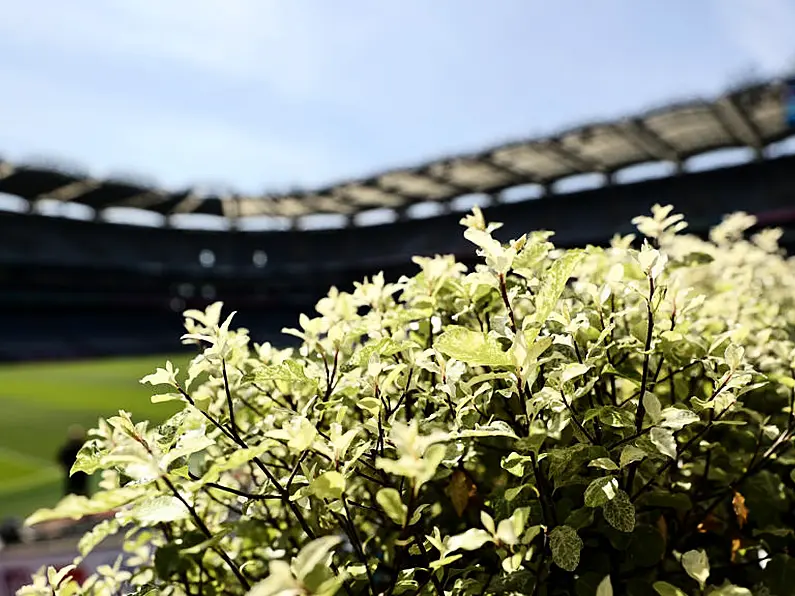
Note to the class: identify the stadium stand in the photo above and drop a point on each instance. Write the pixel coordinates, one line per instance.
(71, 287)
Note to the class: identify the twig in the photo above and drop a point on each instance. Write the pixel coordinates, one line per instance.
(576, 420)
(640, 413)
(206, 531)
(507, 302)
(229, 403)
(358, 545)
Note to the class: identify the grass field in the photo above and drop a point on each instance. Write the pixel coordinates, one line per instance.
(38, 403)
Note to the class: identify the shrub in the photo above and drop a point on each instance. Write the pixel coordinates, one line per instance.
(595, 421)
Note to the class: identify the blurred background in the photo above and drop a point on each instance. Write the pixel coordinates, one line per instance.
(156, 156)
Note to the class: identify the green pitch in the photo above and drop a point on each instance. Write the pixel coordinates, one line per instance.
(38, 403)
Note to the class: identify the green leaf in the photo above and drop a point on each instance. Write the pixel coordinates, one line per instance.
(653, 407)
(202, 546)
(678, 418)
(580, 518)
(663, 439)
(370, 404)
(488, 522)
(615, 417)
(385, 347)
(630, 454)
(444, 561)
(472, 539)
(512, 493)
(731, 590)
(565, 544)
(600, 491)
(329, 485)
(605, 587)
(289, 371)
(55, 577)
(96, 535)
(280, 581)
(509, 530)
(666, 589)
(313, 554)
(553, 283)
(498, 428)
(664, 499)
(189, 442)
(390, 501)
(620, 512)
(473, 347)
(234, 460)
(603, 463)
(153, 511)
(573, 370)
(89, 458)
(734, 356)
(515, 464)
(162, 376)
(76, 507)
(696, 565)
(299, 433)
(166, 397)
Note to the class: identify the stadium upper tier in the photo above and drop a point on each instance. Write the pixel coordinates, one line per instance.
(752, 117)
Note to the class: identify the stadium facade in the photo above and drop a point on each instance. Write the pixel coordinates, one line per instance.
(86, 287)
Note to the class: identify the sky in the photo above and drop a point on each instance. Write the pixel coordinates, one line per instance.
(269, 95)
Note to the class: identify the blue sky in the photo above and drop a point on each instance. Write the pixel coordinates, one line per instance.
(264, 95)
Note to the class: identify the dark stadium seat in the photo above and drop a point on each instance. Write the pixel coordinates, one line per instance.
(73, 288)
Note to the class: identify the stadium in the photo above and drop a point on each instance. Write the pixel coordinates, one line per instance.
(119, 288)
(76, 283)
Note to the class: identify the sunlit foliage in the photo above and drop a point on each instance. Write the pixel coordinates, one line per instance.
(590, 422)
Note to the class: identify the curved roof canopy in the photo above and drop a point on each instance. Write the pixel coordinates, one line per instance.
(752, 117)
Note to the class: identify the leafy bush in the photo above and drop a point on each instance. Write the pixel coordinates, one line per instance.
(596, 421)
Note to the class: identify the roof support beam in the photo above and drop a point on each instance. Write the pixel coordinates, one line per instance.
(230, 207)
(71, 191)
(344, 193)
(645, 139)
(736, 122)
(6, 169)
(440, 179)
(143, 200)
(408, 198)
(576, 162)
(188, 204)
(521, 176)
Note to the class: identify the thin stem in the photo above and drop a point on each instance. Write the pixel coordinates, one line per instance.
(507, 302)
(212, 420)
(263, 468)
(358, 545)
(640, 413)
(667, 377)
(547, 508)
(750, 471)
(684, 449)
(596, 425)
(229, 404)
(286, 406)
(576, 420)
(418, 540)
(206, 531)
(295, 469)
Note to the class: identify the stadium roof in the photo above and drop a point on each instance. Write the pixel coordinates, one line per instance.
(752, 117)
